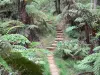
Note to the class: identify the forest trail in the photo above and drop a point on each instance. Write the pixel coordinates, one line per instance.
(52, 65)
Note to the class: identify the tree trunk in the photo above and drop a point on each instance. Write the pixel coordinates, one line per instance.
(91, 5)
(57, 5)
(99, 40)
(95, 4)
(98, 2)
(87, 34)
(23, 14)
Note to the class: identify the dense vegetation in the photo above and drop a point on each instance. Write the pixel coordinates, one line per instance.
(27, 27)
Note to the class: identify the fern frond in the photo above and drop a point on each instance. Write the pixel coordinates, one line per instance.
(70, 28)
(90, 63)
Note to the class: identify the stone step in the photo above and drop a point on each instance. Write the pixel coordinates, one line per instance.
(51, 61)
(55, 42)
(51, 48)
(59, 31)
(54, 45)
(51, 58)
(59, 39)
(59, 28)
(55, 73)
(54, 70)
(60, 34)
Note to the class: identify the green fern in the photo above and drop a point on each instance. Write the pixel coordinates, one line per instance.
(23, 65)
(4, 2)
(72, 48)
(97, 49)
(90, 63)
(70, 28)
(10, 26)
(5, 47)
(15, 39)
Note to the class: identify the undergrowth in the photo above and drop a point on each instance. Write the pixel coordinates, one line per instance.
(66, 66)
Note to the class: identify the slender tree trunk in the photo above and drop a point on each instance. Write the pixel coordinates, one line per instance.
(23, 14)
(91, 5)
(95, 4)
(99, 40)
(98, 2)
(87, 34)
(57, 5)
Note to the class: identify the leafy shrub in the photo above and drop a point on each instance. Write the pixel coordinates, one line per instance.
(72, 48)
(72, 32)
(90, 63)
(15, 39)
(4, 2)
(5, 47)
(34, 44)
(10, 26)
(36, 55)
(27, 59)
(18, 47)
(97, 49)
(23, 65)
(4, 68)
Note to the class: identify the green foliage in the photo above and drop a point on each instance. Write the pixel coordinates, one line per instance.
(39, 17)
(24, 65)
(15, 39)
(97, 49)
(37, 56)
(34, 44)
(26, 61)
(46, 69)
(4, 2)
(84, 6)
(90, 63)
(4, 64)
(98, 34)
(66, 67)
(5, 47)
(33, 10)
(72, 48)
(73, 34)
(10, 26)
(18, 47)
(70, 28)
(79, 19)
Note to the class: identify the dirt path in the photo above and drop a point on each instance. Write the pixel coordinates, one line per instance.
(52, 65)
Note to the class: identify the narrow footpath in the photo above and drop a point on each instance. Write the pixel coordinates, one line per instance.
(52, 65)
